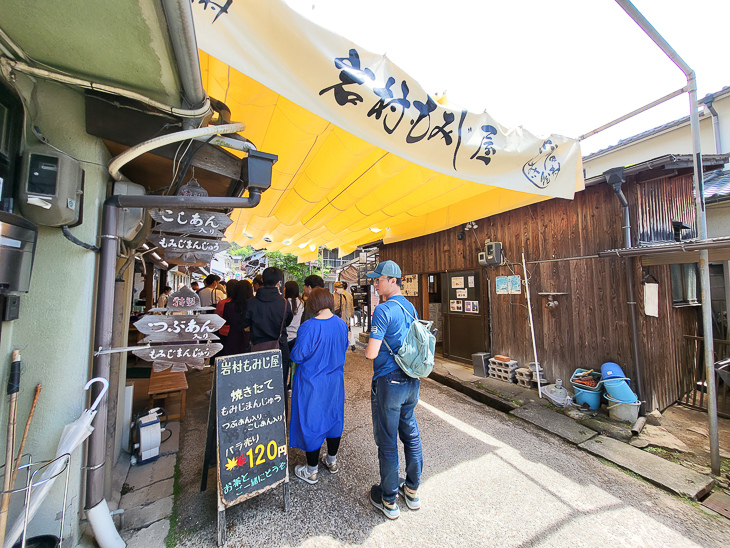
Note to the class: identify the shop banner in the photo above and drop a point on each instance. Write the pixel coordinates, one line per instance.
(367, 95)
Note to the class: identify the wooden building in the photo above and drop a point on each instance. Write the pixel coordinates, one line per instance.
(579, 299)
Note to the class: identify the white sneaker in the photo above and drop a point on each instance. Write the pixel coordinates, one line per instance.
(333, 468)
(300, 471)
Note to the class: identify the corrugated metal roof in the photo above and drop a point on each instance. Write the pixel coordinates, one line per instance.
(660, 129)
(717, 186)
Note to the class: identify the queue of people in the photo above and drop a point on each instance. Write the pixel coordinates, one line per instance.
(313, 331)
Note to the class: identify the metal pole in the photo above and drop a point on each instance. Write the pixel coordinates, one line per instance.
(634, 113)
(532, 327)
(694, 119)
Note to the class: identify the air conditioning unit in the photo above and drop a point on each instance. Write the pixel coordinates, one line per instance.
(492, 254)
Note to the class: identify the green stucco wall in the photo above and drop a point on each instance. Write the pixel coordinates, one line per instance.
(125, 41)
(54, 332)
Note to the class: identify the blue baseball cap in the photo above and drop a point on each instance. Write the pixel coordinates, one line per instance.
(386, 268)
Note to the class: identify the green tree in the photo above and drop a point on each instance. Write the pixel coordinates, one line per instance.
(236, 249)
(293, 269)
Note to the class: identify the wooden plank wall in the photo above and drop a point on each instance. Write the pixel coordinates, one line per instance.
(591, 324)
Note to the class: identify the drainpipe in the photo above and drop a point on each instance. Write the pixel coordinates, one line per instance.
(179, 17)
(615, 178)
(718, 150)
(715, 123)
(699, 191)
(96, 451)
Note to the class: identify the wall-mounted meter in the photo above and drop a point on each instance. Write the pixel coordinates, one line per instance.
(492, 254)
(50, 187)
(17, 249)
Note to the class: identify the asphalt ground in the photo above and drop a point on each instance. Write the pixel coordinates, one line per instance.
(489, 479)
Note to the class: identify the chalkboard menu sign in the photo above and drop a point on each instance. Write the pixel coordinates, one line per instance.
(251, 424)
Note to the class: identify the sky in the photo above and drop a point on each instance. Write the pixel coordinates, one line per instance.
(564, 66)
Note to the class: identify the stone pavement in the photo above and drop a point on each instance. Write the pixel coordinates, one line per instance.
(489, 479)
(147, 495)
(148, 500)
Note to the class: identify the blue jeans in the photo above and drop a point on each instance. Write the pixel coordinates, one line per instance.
(393, 398)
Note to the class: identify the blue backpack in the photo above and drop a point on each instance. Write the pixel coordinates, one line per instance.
(416, 354)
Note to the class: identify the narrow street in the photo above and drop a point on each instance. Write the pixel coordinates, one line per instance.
(489, 480)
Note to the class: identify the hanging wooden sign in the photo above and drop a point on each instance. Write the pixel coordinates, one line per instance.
(191, 221)
(183, 300)
(185, 248)
(174, 328)
(192, 188)
(198, 259)
(191, 354)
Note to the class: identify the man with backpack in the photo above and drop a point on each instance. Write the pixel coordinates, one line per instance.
(393, 395)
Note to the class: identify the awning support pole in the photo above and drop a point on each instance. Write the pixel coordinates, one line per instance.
(694, 120)
(532, 327)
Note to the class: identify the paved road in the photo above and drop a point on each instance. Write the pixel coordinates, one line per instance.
(489, 480)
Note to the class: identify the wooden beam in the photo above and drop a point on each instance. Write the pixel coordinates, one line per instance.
(127, 123)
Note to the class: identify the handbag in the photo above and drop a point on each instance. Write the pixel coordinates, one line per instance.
(271, 345)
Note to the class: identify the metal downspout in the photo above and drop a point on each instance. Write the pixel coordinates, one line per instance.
(179, 16)
(694, 118)
(96, 451)
(615, 177)
(715, 123)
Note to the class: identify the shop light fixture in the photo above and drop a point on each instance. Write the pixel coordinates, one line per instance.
(312, 247)
(256, 172)
(302, 246)
(376, 230)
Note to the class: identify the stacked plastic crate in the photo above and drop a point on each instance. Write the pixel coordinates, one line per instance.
(503, 368)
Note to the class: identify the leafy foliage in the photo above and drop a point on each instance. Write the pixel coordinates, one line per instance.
(236, 249)
(294, 270)
(287, 262)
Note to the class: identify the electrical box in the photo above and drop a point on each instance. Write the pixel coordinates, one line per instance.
(50, 187)
(492, 254)
(17, 249)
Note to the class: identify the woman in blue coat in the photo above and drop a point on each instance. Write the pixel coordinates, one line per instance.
(318, 393)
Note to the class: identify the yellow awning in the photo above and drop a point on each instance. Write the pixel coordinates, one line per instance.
(333, 188)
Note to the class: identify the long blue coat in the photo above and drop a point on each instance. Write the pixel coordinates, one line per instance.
(318, 393)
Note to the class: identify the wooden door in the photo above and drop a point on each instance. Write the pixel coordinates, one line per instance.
(463, 312)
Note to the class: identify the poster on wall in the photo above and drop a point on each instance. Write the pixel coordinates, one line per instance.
(461, 293)
(409, 285)
(514, 285)
(501, 285)
(471, 306)
(471, 281)
(456, 306)
(457, 282)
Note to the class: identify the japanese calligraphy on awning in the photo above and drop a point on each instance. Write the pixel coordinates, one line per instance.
(310, 96)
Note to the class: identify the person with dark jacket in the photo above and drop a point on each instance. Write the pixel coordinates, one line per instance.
(237, 339)
(310, 282)
(265, 312)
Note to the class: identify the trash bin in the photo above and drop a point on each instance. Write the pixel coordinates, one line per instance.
(480, 360)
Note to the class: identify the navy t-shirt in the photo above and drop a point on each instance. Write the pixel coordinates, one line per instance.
(390, 323)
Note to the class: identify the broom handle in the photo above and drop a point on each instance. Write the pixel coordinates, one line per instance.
(25, 435)
(13, 387)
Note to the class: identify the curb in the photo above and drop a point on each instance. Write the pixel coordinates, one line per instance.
(482, 397)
